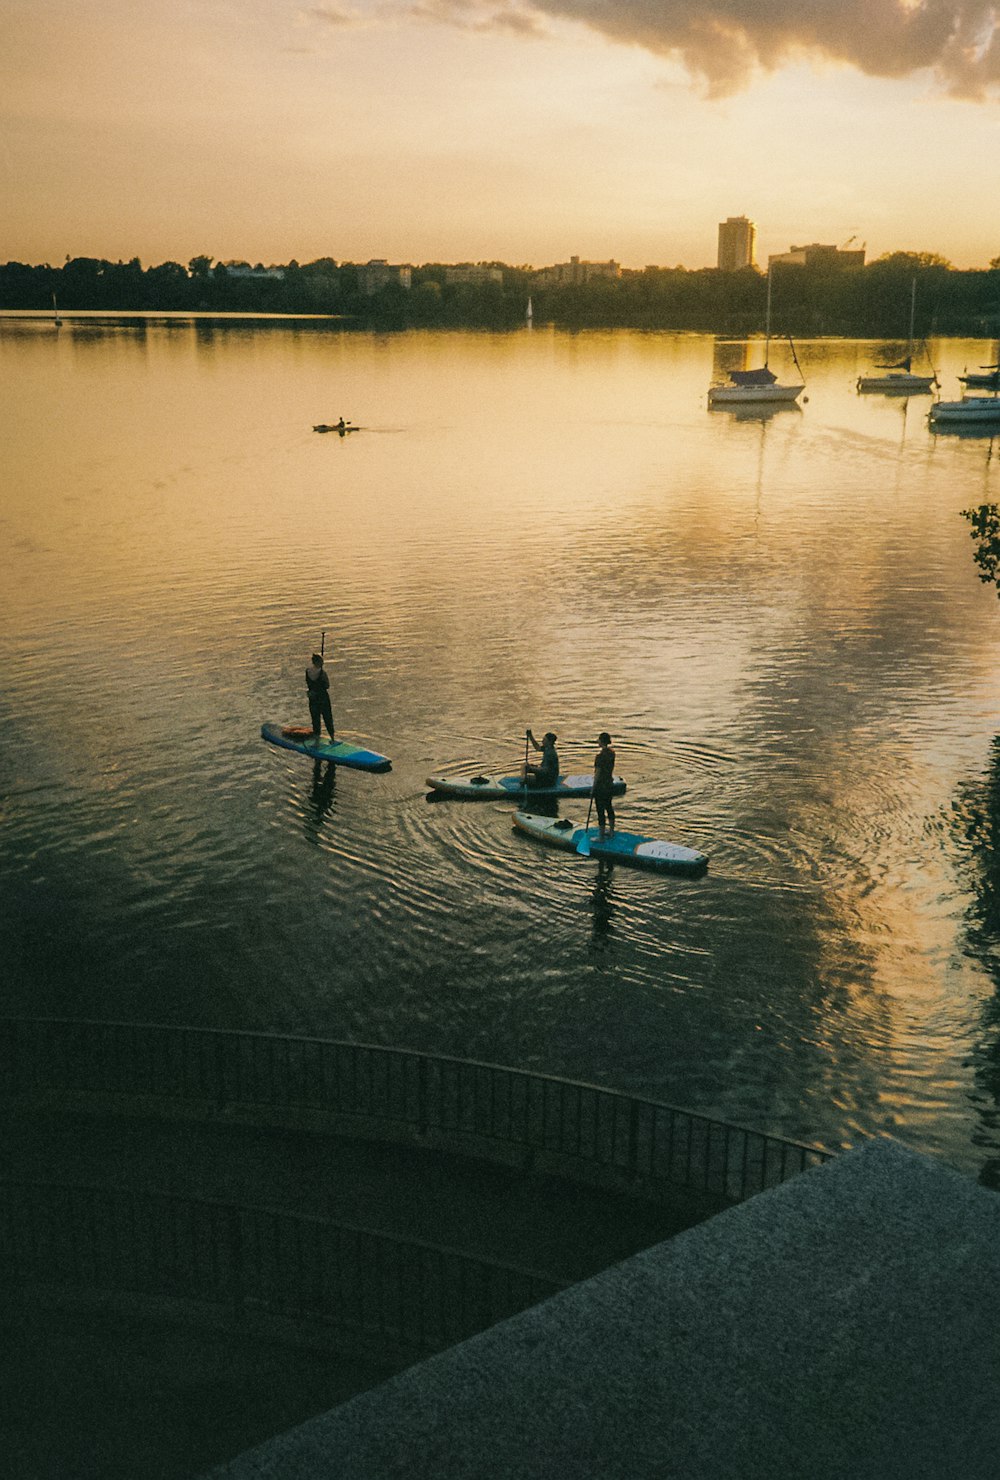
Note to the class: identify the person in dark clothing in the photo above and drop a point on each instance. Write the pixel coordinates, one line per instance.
(318, 689)
(546, 773)
(604, 775)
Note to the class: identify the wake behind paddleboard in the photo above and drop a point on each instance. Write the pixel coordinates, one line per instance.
(497, 788)
(623, 847)
(290, 737)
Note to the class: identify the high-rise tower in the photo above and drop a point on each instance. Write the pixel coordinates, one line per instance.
(737, 244)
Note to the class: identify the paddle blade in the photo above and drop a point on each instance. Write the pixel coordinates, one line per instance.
(583, 846)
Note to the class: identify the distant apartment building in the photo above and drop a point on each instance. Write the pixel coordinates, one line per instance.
(244, 270)
(816, 255)
(737, 244)
(476, 275)
(574, 272)
(378, 274)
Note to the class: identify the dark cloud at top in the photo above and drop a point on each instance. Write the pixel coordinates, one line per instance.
(725, 41)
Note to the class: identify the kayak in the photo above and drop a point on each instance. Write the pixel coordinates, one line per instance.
(497, 788)
(623, 847)
(294, 737)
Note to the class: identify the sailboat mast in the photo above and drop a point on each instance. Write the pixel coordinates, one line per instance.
(767, 318)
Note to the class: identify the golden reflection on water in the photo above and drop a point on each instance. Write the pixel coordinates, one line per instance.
(776, 615)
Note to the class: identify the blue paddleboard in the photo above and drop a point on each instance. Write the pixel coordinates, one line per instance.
(290, 737)
(496, 788)
(624, 847)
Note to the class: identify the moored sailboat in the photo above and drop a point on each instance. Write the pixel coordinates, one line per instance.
(900, 378)
(760, 385)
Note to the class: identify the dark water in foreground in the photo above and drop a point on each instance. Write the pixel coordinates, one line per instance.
(778, 620)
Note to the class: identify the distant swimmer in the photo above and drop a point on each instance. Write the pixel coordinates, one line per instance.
(546, 773)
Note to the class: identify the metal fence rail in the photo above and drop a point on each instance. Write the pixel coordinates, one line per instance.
(395, 1094)
(386, 1293)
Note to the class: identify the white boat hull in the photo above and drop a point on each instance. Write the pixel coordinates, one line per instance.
(897, 384)
(970, 408)
(745, 395)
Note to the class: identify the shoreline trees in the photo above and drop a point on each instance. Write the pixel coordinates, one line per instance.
(868, 301)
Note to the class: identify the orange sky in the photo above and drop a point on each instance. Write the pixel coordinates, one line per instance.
(454, 130)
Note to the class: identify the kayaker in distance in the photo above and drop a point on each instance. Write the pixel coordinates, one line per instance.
(546, 773)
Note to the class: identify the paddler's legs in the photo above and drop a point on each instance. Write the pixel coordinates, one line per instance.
(315, 715)
(326, 712)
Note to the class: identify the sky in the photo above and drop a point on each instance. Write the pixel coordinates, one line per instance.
(522, 131)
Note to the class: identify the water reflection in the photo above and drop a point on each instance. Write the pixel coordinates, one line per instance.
(976, 821)
(780, 620)
(602, 904)
(759, 411)
(324, 780)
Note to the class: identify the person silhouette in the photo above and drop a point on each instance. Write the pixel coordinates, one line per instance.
(604, 778)
(546, 773)
(318, 689)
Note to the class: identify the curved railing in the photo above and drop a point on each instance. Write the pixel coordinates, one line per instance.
(286, 1275)
(507, 1115)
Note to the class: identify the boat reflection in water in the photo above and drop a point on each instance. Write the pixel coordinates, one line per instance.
(758, 411)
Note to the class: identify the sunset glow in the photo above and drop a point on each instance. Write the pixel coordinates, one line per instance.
(454, 130)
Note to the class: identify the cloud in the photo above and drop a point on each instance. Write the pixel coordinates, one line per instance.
(331, 15)
(724, 42)
(517, 18)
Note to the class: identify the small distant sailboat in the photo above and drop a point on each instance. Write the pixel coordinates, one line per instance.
(900, 379)
(746, 386)
(529, 312)
(55, 313)
(986, 378)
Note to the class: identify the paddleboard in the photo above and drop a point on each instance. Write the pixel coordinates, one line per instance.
(292, 737)
(624, 847)
(496, 788)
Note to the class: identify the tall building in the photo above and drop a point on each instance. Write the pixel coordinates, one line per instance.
(737, 244)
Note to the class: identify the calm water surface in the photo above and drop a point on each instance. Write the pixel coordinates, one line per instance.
(778, 620)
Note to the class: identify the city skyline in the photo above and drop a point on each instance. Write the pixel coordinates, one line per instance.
(456, 131)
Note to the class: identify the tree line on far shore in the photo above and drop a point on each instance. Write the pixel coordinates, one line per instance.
(868, 301)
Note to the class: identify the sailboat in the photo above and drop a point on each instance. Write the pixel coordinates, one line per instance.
(762, 385)
(529, 312)
(987, 377)
(969, 411)
(900, 378)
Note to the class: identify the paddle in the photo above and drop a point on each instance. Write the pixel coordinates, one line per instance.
(583, 846)
(524, 773)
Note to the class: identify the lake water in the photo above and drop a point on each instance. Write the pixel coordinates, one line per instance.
(778, 620)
